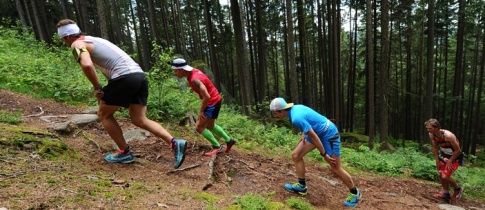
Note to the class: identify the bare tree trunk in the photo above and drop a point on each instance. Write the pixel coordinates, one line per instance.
(251, 41)
(212, 50)
(347, 125)
(468, 129)
(384, 77)
(182, 29)
(22, 13)
(302, 47)
(408, 125)
(118, 35)
(145, 46)
(458, 82)
(321, 51)
(262, 68)
(370, 122)
(39, 17)
(477, 127)
(178, 47)
(102, 19)
(428, 102)
(135, 29)
(153, 23)
(291, 54)
(28, 10)
(244, 76)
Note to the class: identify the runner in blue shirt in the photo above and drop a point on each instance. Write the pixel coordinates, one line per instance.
(317, 132)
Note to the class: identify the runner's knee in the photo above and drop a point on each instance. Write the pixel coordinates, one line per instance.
(199, 128)
(140, 122)
(296, 156)
(103, 115)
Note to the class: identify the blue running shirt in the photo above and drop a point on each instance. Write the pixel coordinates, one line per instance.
(304, 118)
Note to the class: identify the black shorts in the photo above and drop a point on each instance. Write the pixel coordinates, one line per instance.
(127, 89)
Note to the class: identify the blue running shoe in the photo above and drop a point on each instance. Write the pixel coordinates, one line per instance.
(296, 188)
(353, 199)
(120, 157)
(179, 151)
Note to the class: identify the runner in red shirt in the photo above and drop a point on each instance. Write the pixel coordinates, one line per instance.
(447, 154)
(209, 108)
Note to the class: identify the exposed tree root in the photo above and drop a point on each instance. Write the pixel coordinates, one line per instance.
(211, 173)
(183, 169)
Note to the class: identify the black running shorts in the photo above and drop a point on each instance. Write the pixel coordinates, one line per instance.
(127, 89)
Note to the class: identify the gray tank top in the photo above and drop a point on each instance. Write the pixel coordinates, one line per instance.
(112, 61)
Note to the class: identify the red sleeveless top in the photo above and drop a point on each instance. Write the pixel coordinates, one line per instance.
(215, 97)
(446, 149)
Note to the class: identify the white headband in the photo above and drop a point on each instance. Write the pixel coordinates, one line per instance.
(67, 30)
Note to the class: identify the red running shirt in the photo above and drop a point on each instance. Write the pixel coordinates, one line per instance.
(197, 74)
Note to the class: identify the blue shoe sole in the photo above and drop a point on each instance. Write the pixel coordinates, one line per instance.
(352, 205)
(183, 155)
(124, 161)
(293, 191)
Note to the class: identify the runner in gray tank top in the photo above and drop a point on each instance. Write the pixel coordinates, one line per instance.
(112, 61)
(127, 87)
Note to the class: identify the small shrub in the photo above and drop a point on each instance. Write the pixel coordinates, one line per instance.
(299, 203)
(252, 201)
(10, 117)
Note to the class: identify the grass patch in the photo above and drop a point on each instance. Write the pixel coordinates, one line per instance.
(252, 201)
(10, 117)
(298, 203)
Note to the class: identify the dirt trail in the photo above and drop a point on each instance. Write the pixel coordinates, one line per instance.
(237, 172)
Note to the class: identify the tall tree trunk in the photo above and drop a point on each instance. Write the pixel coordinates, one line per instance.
(408, 125)
(118, 35)
(223, 63)
(66, 12)
(458, 82)
(135, 29)
(251, 40)
(321, 51)
(352, 70)
(262, 68)
(302, 47)
(145, 47)
(85, 17)
(428, 102)
(165, 23)
(212, 50)
(468, 129)
(40, 20)
(178, 47)
(196, 51)
(153, 23)
(384, 77)
(182, 29)
(244, 76)
(22, 13)
(370, 117)
(477, 126)
(291, 54)
(28, 11)
(103, 25)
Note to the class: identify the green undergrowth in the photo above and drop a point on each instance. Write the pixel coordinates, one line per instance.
(10, 117)
(40, 142)
(263, 202)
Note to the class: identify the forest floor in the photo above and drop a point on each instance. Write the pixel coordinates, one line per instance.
(86, 181)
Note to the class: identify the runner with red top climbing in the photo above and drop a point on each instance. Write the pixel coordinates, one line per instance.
(209, 108)
(447, 154)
